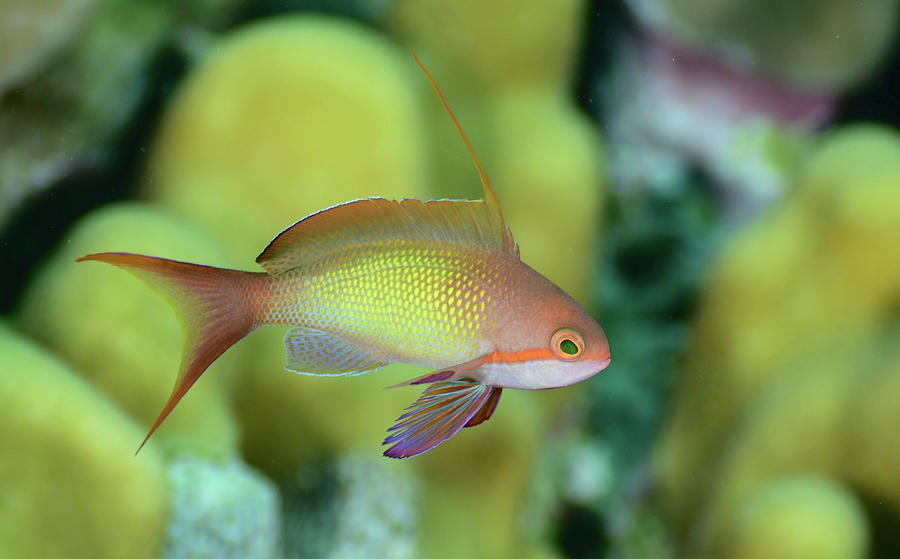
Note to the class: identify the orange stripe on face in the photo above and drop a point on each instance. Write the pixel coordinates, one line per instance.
(520, 356)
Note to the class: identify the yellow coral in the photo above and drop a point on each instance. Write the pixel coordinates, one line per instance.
(801, 518)
(287, 117)
(872, 435)
(549, 161)
(71, 486)
(501, 44)
(796, 322)
(794, 427)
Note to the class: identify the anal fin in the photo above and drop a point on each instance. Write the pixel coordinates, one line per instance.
(313, 352)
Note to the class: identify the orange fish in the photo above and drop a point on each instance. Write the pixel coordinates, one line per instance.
(376, 281)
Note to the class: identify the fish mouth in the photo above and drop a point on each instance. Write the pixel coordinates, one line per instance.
(604, 364)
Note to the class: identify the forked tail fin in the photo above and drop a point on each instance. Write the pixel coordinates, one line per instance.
(214, 305)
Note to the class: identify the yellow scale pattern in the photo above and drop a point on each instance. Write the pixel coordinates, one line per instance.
(423, 303)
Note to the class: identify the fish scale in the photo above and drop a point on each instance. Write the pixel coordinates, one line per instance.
(422, 305)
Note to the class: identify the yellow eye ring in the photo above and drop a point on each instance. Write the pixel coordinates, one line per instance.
(567, 344)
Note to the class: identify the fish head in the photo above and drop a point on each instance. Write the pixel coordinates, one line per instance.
(550, 342)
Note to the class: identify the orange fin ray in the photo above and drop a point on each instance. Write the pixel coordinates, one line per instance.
(490, 197)
(211, 304)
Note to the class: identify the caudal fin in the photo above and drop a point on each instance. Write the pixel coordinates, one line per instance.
(214, 305)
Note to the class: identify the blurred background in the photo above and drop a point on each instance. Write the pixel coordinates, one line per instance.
(717, 181)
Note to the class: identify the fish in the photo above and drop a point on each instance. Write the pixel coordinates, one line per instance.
(373, 281)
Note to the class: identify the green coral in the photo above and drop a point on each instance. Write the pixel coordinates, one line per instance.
(123, 336)
(71, 485)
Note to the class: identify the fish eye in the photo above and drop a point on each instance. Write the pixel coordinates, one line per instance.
(567, 344)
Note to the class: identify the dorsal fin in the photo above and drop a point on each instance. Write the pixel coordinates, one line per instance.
(380, 223)
(490, 197)
(477, 223)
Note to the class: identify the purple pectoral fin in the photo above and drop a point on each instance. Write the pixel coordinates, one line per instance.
(439, 413)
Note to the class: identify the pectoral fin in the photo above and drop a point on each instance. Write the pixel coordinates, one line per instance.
(425, 379)
(439, 413)
(456, 372)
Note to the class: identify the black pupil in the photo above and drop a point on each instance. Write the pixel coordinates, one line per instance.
(568, 347)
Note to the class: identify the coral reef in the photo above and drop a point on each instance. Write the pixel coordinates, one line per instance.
(832, 44)
(71, 485)
(795, 329)
(32, 32)
(708, 84)
(478, 485)
(287, 117)
(59, 121)
(122, 336)
(352, 507)
(670, 110)
(225, 511)
(535, 51)
(781, 436)
(871, 436)
(658, 245)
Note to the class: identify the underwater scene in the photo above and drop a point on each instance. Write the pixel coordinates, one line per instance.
(682, 275)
